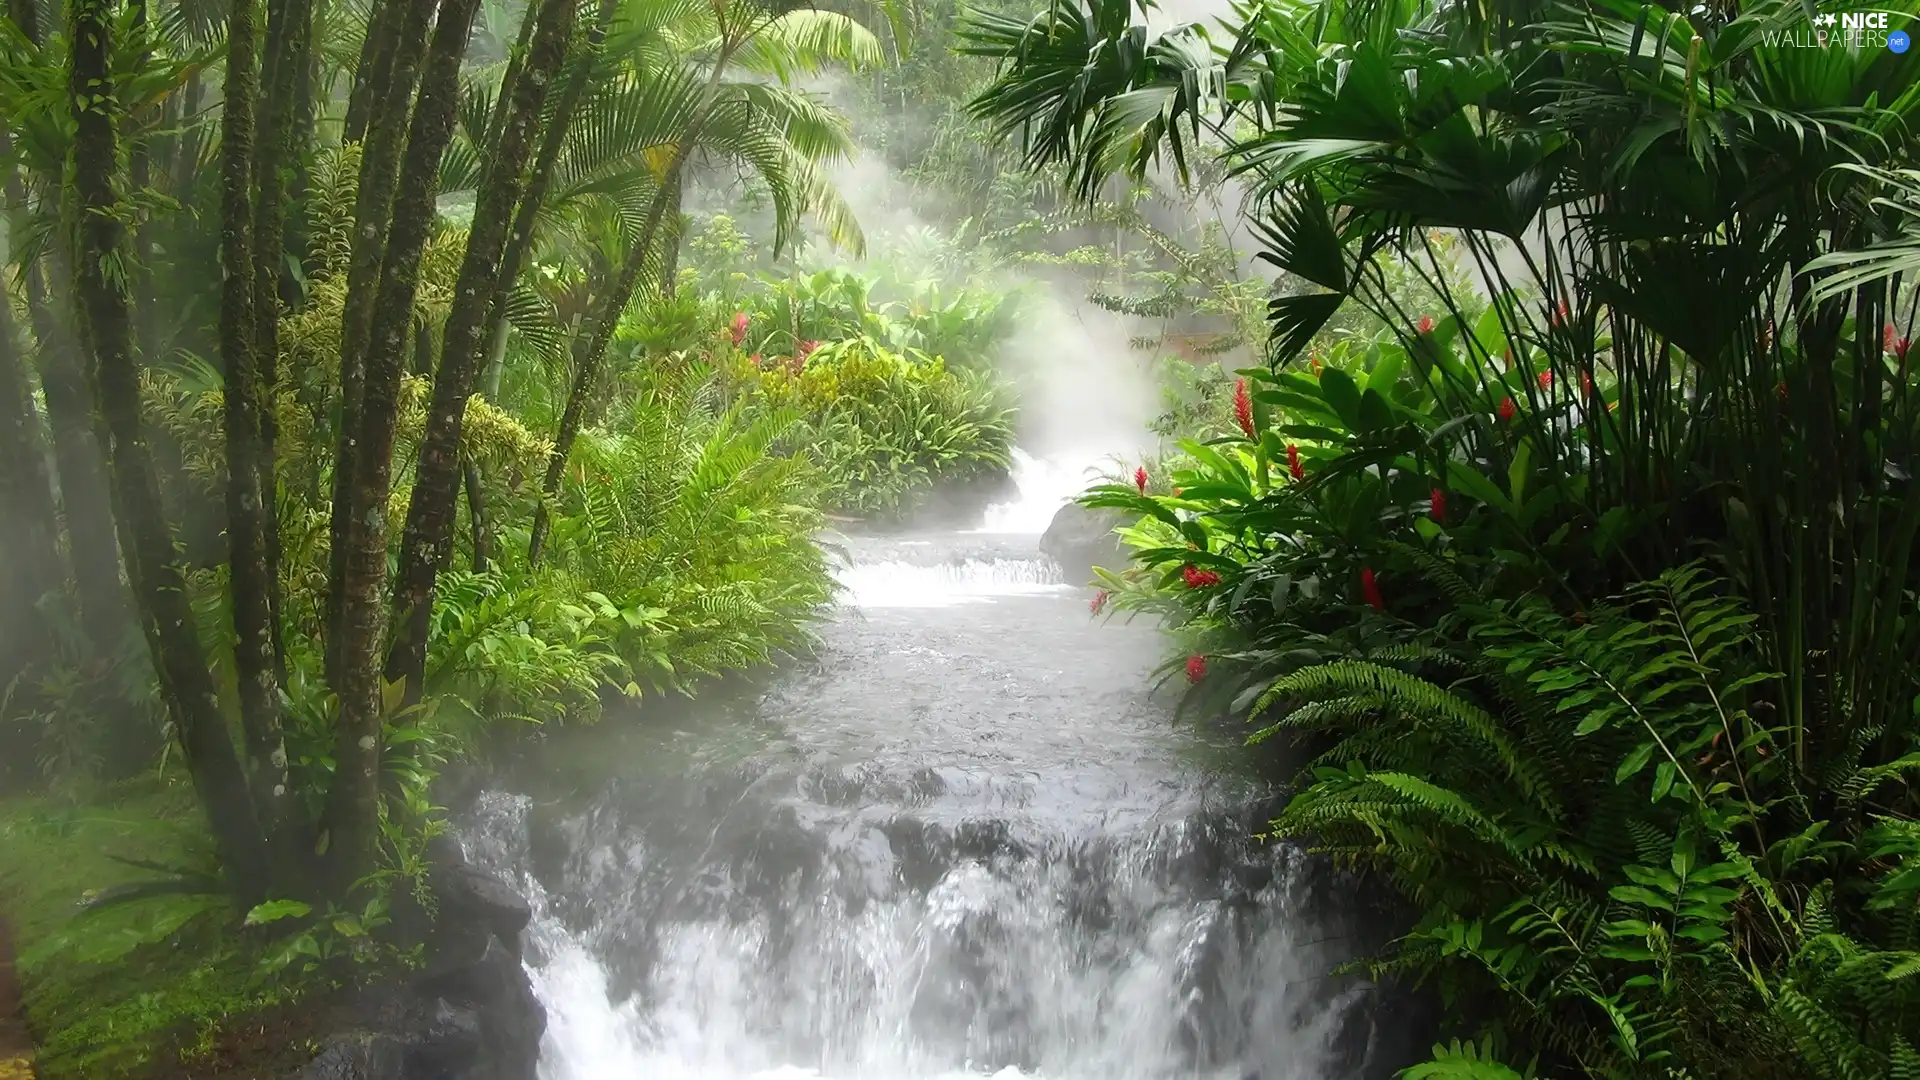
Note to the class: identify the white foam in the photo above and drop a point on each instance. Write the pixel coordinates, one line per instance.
(1045, 485)
(897, 584)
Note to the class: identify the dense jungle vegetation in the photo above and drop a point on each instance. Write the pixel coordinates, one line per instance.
(1590, 580)
(382, 380)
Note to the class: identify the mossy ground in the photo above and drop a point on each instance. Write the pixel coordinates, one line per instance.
(163, 987)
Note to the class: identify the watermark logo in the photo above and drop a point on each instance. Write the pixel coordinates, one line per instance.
(1845, 30)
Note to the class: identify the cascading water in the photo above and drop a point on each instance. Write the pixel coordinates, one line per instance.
(1044, 485)
(965, 840)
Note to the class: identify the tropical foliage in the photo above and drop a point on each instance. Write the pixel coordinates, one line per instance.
(322, 468)
(1587, 582)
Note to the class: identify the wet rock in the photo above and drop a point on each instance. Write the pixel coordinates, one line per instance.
(469, 895)
(1080, 539)
(361, 1055)
(470, 1014)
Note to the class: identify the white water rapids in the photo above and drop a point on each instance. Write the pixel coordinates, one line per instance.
(964, 841)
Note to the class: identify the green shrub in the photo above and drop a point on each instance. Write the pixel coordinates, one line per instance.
(886, 427)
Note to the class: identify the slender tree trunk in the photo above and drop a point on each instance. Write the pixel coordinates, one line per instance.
(28, 528)
(185, 681)
(85, 503)
(591, 349)
(428, 540)
(481, 531)
(140, 176)
(392, 87)
(26, 16)
(368, 95)
(289, 31)
(253, 583)
(520, 241)
(353, 803)
(186, 162)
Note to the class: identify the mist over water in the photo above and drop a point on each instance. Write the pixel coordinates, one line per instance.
(966, 840)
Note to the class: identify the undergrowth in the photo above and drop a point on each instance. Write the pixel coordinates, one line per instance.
(133, 988)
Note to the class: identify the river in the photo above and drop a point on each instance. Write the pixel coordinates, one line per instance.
(965, 839)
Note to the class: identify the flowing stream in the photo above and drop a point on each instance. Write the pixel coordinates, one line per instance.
(966, 839)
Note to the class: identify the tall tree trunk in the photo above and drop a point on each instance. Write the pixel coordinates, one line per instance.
(353, 803)
(406, 24)
(186, 161)
(186, 683)
(591, 349)
(428, 539)
(28, 529)
(140, 176)
(249, 463)
(26, 16)
(85, 504)
(369, 94)
(520, 241)
(289, 31)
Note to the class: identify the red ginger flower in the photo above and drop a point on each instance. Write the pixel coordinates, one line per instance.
(1888, 335)
(1545, 379)
(1586, 382)
(1900, 348)
(1426, 324)
(1560, 313)
(807, 347)
(1198, 578)
(1371, 590)
(1196, 668)
(1293, 462)
(1140, 479)
(1507, 408)
(1098, 603)
(1243, 407)
(738, 329)
(1439, 503)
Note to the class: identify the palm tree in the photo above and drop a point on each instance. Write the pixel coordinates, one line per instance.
(675, 103)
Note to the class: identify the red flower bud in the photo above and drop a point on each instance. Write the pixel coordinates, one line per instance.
(1426, 324)
(1098, 603)
(1243, 407)
(1507, 408)
(1196, 668)
(1586, 383)
(1888, 335)
(807, 347)
(1438, 501)
(1560, 313)
(1900, 348)
(1293, 462)
(1140, 479)
(1545, 379)
(1371, 590)
(738, 329)
(1198, 578)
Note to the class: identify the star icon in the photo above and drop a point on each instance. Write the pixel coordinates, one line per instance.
(1828, 19)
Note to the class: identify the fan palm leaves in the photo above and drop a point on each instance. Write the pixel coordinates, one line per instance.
(648, 80)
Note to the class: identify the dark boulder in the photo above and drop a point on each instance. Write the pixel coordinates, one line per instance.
(360, 1055)
(1080, 538)
(469, 1014)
